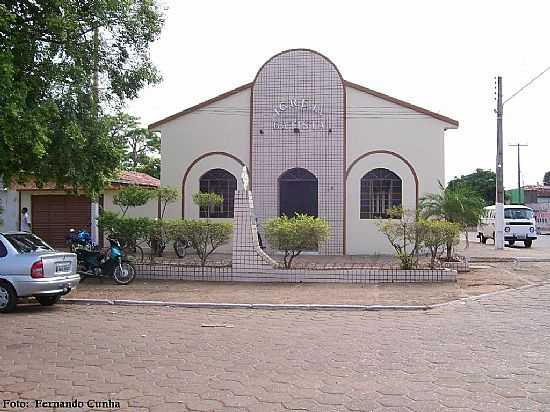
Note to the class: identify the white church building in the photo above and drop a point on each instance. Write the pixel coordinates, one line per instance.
(313, 143)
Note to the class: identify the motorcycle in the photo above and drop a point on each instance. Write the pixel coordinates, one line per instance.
(94, 264)
(80, 240)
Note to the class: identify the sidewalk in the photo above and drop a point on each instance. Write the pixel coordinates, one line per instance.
(481, 279)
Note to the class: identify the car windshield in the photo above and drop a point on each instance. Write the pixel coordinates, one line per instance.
(26, 242)
(510, 213)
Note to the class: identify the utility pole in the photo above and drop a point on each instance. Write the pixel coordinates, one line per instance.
(499, 207)
(518, 145)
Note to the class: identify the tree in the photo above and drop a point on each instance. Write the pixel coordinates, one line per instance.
(459, 204)
(166, 195)
(66, 67)
(436, 235)
(546, 179)
(295, 234)
(483, 182)
(132, 196)
(402, 232)
(141, 146)
(207, 201)
(204, 236)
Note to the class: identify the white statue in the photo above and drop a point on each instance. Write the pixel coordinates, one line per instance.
(244, 177)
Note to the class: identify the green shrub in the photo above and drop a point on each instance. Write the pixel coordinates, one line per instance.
(205, 236)
(207, 201)
(402, 231)
(435, 235)
(295, 234)
(132, 196)
(127, 230)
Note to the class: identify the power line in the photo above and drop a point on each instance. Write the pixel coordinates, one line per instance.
(526, 85)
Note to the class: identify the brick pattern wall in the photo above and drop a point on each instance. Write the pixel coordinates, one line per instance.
(312, 96)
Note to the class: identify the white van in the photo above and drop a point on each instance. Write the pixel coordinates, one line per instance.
(519, 224)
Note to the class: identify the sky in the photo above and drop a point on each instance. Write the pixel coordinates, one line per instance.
(440, 55)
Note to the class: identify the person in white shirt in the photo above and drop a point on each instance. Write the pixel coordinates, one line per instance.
(25, 220)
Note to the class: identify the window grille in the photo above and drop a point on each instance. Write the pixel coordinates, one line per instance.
(222, 182)
(381, 189)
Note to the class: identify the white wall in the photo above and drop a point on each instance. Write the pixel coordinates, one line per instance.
(8, 200)
(417, 138)
(190, 136)
(362, 235)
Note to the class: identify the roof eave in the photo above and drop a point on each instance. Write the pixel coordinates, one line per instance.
(451, 123)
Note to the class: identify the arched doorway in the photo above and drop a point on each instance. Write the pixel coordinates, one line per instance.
(298, 193)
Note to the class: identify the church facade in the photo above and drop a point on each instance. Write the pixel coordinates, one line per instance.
(313, 143)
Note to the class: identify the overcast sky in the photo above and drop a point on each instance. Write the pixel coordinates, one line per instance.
(434, 54)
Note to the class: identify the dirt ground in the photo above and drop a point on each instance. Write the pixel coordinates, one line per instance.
(483, 278)
(488, 273)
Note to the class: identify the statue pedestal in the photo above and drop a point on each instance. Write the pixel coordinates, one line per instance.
(247, 255)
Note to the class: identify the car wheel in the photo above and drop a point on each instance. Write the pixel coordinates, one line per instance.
(511, 242)
(124, 273)
(528, 243)
(8, 298)
(48, 300)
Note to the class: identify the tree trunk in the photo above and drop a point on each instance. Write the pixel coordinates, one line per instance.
(467, 240)
(449, 251)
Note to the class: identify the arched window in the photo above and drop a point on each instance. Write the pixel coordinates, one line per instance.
(381, 189)
(298, 193)
(222, 182)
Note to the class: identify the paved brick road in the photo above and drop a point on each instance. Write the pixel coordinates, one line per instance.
(488, 355)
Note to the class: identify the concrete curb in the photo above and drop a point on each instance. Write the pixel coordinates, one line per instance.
(284, 306)
(260, 306)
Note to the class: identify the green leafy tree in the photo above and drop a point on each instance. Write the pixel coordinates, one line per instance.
(166, 196)
(132, 196)
(481, 181)
(402, 232)
(459, 204)
(207, 201)
(204, 236)
(295, 234)
(435, 235)
(141, 146)
(546, 179)
(65, 67)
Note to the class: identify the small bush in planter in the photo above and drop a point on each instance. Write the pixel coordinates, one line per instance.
(204, 236)
(436, 235)
(295, 234)
(402, 231)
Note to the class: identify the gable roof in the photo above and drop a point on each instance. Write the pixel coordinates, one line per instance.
(356, 86)
(125, 178)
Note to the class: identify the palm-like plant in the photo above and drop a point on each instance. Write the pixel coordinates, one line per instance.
(460, 204)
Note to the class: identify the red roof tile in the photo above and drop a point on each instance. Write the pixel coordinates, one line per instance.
(136, 178)
(125, 178)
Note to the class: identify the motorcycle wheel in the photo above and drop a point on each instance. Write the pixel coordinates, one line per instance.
(124, 273)
(180, 247)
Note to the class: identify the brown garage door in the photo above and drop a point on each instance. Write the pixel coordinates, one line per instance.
(54, 215)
